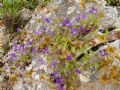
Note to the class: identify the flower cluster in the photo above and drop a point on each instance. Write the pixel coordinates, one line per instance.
(66, 48)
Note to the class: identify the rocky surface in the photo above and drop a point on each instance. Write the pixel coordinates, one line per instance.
(71, 9)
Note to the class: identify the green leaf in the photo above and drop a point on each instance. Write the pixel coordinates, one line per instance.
(73, 49)
(97, 65)
(106, 32)
(65, 45)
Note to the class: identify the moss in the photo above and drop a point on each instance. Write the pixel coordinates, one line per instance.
(112, 2)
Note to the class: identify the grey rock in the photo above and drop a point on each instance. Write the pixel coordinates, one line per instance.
(71, 9)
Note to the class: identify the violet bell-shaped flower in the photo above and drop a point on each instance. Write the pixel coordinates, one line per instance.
(38, 32)
(78, 71)
(77, 18)
(93, 10)
(56, 75)
(84, 29)
(19, 29)
(24, 52)
(46, 50)
(47, 20)
(66, 23)
(35, 50)
(59, 81)
(60, 87)
(83, 16)
(54, 64)
(15, 47)
(42, 61)
(11, 59)
(13, 55)
(103, 52)
(74, 31)
(69, 58)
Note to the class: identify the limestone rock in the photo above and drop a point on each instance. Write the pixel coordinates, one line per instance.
(71, 9)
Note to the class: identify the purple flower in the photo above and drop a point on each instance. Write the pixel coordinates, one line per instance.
(93, 10)
(54, 64)
(77, 18)
(60, 87)
(15, 47)
(11, 59)
(47, 20)
(22, 46)
(66, 22)
(56, 75)
(38, 32)
(84, 15)
(18, 29)
(74, 31)
(35, 50)
(42, 61)
(69, 58)
(26, 45)
(13, 54)
(59, 81)
(84, 29)
(45, 51)
(78, 71)
(30, 42)
(103, 52)
(6, 67)
(24, 52)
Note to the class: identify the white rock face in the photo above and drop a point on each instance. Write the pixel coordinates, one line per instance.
(70, 9)
(116, 44)
(2, 37)
(84, 78)
(19, 85)
(111, 17)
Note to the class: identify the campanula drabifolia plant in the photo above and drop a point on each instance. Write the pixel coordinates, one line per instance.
(65, 48)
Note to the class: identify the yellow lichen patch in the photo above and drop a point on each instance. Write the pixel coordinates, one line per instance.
(118, 34)
(41, 77)
(115, 76)
(29, 73)
(117, 56)
(103, 63)
(111, 49)
(109, 60)
(102, 14)
(39, 20)
(102, 38)
(117, 81)
(13, 79)
(105, 79)
(82, 4)
(115, 73)
(114, 69)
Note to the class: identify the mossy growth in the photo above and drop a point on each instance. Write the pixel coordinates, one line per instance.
(113, 2)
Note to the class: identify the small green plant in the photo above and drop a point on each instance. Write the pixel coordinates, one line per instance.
(10, 11)
(10, 7)
(111, 2)
(30, 4)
